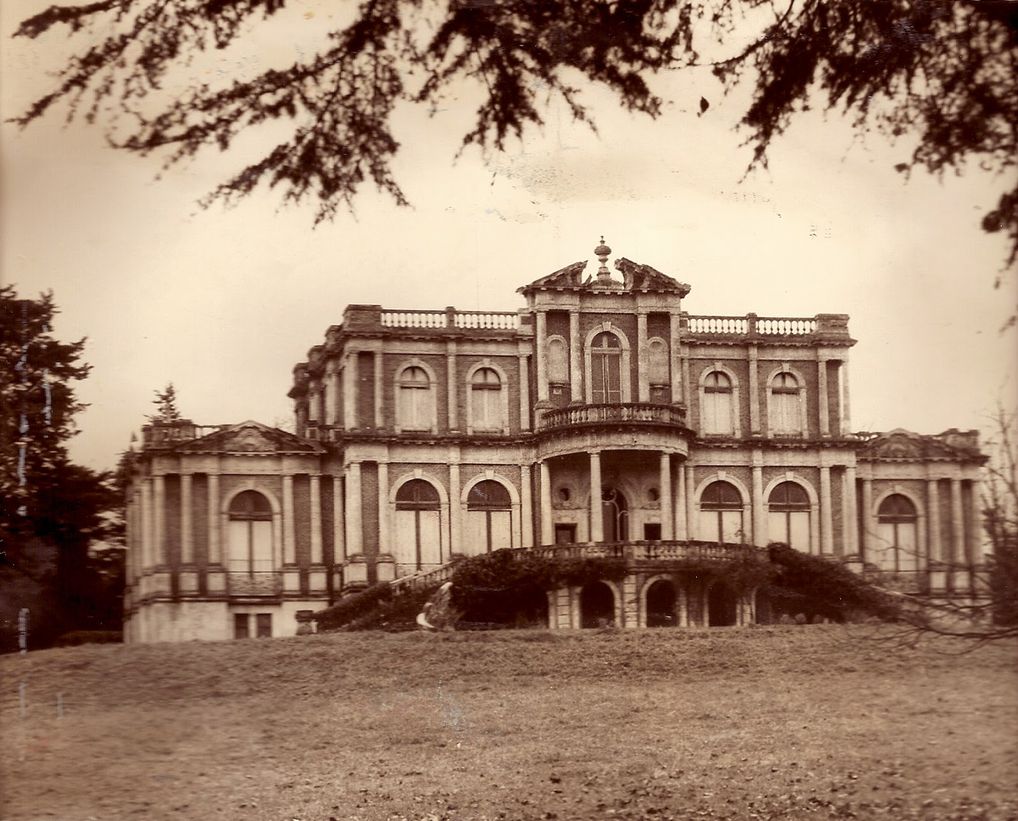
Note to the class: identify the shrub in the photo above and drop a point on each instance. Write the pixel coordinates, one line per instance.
(354, 606)
(815, 586)
(76, 637)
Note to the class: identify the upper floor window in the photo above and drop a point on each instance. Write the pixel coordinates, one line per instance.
(716, 405)
(785, 414)
(487, 403)
(897, 542)
(415, 410)
(721, 513)
(788, 513)
(605, 369)
(250, 534)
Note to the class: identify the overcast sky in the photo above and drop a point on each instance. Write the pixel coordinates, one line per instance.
(224, 302)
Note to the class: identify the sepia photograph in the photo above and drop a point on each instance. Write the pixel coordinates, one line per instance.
(461, 410)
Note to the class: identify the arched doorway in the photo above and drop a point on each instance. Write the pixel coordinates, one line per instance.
(418, 532)
(250, 534)
(788, 511)
(721, 513)
(721, 606)
(605, 369)
(615, 515)
(661, 604)
(896, 548)
(597, 605)
(489, 518)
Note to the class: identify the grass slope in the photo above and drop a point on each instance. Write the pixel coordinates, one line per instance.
(780, 722)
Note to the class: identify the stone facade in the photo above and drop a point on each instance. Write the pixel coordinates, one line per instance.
(426, 435)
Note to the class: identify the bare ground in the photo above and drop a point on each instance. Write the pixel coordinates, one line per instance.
(779, 722)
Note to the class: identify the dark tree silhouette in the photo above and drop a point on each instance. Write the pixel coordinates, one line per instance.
(942, 74)
(166, 405)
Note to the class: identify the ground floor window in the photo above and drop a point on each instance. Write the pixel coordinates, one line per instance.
(241, 627)
(263, 625)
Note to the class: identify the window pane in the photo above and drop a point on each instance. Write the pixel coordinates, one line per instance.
(799, 527)
(239, 546)
(777, 527)
(261, 538)
(708, 530)
(240, 626)
(731, 525)
(488, 495)
(263, 622)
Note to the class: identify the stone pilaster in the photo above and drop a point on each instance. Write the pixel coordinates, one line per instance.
(596, 508)
(826, 517)
(667, 518)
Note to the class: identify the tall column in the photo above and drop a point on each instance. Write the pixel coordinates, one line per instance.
(642, 375)
(825, 414)
(934, 548)
(754, 391)
(826, 517)
(350, 391)
(384, 545)
(675, 347)
(975, 527)
(575, 367)
(692, 531)
(759, 524)
(524, 393)
(846, 408)
(850, 515)
(331, 387)
(379, 421)
(147, 549)
(354, 528)
(315, 495)
(186, 527)
(681, 526)
(957, 525)
(455, 509)
(451, 383)
(866, 540)
(542, 356)
(215, 553)
(526, 508)
(596, 509)
(159, 521)
(667, 519)
(289, 526)
(547, 528)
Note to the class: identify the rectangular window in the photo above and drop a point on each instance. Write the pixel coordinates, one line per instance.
(652, 531)
(263, 623)
(241, 629)
(565, 534)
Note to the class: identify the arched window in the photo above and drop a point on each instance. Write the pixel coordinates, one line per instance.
(614, 515)
(897, 543)
(486, 401)
(416, 405)
(716, 405)
(605, 369)
(558, 361)
(788, 516)
(250, 534)
(784, 410)
(721, 513)
(418, 531)
(489, 517)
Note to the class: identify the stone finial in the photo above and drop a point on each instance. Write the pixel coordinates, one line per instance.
(601, 252)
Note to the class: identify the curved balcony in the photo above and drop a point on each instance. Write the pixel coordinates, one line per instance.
(620, 413)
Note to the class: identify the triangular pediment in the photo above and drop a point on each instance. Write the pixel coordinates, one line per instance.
(250, 437)
(905, 445)
(564, 278)
(639, 277)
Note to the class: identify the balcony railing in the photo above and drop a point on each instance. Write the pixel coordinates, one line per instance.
(451, 318)
(629, 412)
(268, 583)
(648, 551)
(164, 434)
(753, 325)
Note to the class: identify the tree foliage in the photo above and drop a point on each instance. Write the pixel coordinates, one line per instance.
(166, 405)
(942, 74)
(51, 510)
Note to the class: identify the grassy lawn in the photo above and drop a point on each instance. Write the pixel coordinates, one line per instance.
(784, 722)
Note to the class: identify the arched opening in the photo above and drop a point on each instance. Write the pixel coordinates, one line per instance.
(250, 534)
(722, 605)
(615, 515)
(414, 410)
(605, 369)
(661, 604)
(597, 605)
(486, 400)
(785, 417)
(721, 513)
(788, 516)
(897, 543)
(417, 525)
(489, 518)
(716, 404)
